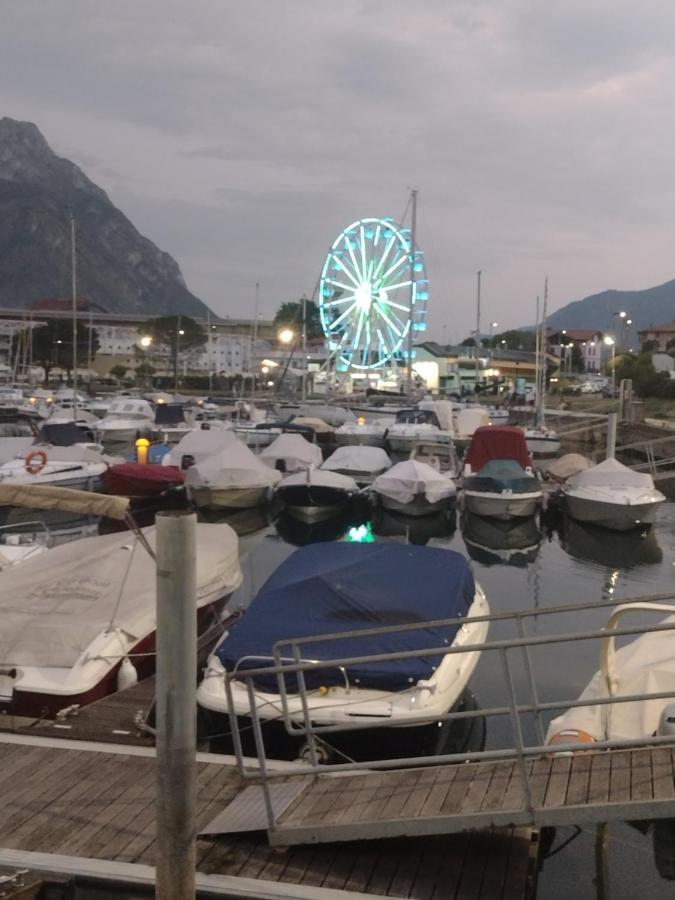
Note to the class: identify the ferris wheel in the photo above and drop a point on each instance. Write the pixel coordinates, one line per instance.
(373, 288)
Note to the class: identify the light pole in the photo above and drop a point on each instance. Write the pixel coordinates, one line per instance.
(493, 325)
(179, 333)
(622, 315)
(610, 342)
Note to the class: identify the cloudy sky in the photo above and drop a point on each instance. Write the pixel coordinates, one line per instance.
(242, 137)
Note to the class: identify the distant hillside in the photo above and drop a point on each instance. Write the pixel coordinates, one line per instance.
(118, 269)
(653, 306)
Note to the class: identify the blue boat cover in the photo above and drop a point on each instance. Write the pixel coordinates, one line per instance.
(502, 475)
(342, 587)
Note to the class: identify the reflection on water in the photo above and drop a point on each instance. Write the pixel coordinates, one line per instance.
(492, 541)
(621, 549)
(415, 529)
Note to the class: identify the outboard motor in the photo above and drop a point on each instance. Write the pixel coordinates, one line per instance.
(187, 460)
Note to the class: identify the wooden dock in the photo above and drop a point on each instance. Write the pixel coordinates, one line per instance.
(79, 807)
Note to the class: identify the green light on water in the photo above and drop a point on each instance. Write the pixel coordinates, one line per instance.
(361, 534)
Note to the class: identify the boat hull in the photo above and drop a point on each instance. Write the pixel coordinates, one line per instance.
(418, 506)
(502, 505)
(359, 440)
(543, 447)
(45, 705)
(313, 503)
(229, 498)
(614, 516)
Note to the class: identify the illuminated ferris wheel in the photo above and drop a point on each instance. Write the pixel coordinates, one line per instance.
(373, 289)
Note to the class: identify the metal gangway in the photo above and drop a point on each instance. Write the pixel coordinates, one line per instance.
(526, 783)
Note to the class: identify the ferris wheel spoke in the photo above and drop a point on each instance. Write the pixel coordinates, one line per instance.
(340, 284)
(346, 271)
(395, 266)
(389, 245)
(359, 327)
(395, 287)
(341, 300)
(344, 315)
(366, 347)
(406, 309)
(386, 318)
(359, 273)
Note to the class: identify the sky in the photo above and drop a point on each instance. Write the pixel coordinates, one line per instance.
(243, 137)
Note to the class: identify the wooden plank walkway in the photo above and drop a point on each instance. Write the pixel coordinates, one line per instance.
(599, 786)
(71, 802)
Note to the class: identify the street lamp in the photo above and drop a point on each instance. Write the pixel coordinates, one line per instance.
(610, 342)
(493, 325)
(145, 341)
(286, 335)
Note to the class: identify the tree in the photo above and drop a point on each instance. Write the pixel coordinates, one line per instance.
(515, 340)
(577, 362)
(118, 372)
(178, 334)
(289, 315)
(51, 345)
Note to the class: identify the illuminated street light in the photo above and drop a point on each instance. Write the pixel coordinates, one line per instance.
(286, 335)
(181, 332)
(610, 342)
(145, 341)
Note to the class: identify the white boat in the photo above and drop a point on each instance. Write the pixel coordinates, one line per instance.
(363, 463)
(498, 415)
(171, 422)
(612, 495)
(467, 421)
(349, 587)
(417, 426)
(646, 665)
(291, 453)
(79, 613)
(232, 477)
(361, 433)
(315, 495)
(127, 419)
(498, 480)
(198, 443)
(542, 442)
(44, 464)
(414, 488)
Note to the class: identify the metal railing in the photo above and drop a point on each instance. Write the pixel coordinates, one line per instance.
(288, 659)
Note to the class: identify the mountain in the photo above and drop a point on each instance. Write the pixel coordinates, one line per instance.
(118, 269)
(653, 306)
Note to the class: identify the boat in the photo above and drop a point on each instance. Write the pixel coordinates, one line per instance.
(363, 462)
(565, 466)
(347, 588)
(498, 480)
(170, 422)
(467, 421)
(197, 444)
(291, 453)
(315, 495)
(511, 542)
(613, 496)
(132, 479)
(45, 464)
(232, 477)
(498, 415)
(81, 613)
(415, 489)
(362, 433)
(127, 419)
(322, 432)
(414, 426)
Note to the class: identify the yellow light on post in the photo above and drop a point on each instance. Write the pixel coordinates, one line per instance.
(286, 335)
(361, 420)
(142, 447)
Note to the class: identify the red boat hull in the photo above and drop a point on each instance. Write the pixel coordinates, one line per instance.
(137, 480)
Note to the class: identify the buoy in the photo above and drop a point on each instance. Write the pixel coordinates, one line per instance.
(127, 676)
(571, 736)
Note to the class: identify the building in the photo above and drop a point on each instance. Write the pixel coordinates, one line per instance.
(448, 368)
(662, 335)
(590, 344)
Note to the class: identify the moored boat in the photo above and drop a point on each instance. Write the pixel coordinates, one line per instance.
(315, 495)
(362, 463)
(415, 489)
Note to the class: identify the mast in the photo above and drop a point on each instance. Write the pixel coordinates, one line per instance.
(413, 239)
(254, 339)
(478, 277)
(73, 273)
(542, 347)
(536, 367)
(209, 353)
(304, 347)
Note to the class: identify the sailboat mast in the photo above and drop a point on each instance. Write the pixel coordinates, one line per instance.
(542, 348)
(73, 274)
(477, 342)
(413, 243)
(537, 364)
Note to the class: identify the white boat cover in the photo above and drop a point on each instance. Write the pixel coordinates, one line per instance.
(52, 609)
(231, 466)
(14, 446)
(444, 413)
(294, 450)
(407, 479)
(199, 443)
(645, 666)
(375, 428)
(46, 496)
(611, 473)
(128, 408)
(357, 459)
(317, 424)
(468, 420)
(320, 478)
(569, 464)
(331, 415)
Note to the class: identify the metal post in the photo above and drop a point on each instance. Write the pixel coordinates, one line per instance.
(176, 784)
(73, 273)
(304, 347)
(209, 352)
(477, 342)
(413, 241)
(611, 435)
(175, 359)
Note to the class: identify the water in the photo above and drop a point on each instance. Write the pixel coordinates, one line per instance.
(563, 562)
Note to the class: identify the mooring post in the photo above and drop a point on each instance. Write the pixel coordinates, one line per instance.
(176, 705)
(611, 435)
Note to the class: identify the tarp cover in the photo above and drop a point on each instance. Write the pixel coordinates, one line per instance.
(502, 475)
(407, 479)
(232, 466)
(611, 473)
(314, 423)
(46, 496)
(199, 443)
(319, 478)
(139, 480)
(358, 459)
(62, 434)
(294, 450)
(52, 608)
(468, 420)
(169, 414)
(497, 442)
(567, 465)
(341, 587)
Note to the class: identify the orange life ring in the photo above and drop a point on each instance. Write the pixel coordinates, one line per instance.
(35, 462)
